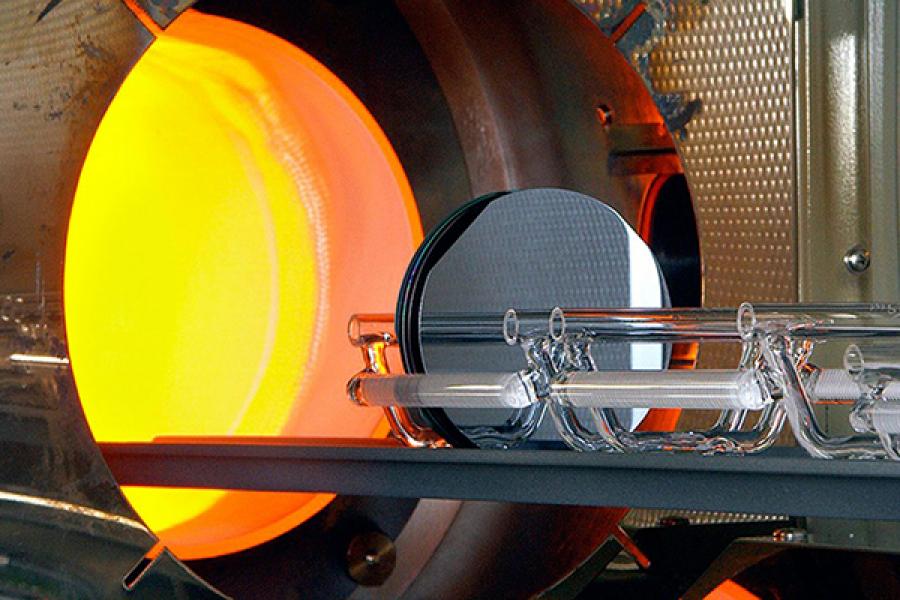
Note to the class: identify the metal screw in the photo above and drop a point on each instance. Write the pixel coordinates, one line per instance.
(371, 558)
(790, 534)
(604, 114)
(857, 259)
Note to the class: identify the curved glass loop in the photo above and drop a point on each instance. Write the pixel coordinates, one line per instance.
(522, 422)
(373, 334)
(774, 380)
(724, 437)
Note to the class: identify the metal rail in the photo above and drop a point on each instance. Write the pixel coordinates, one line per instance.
(788, 483)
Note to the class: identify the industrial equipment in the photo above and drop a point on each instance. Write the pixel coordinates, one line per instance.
(620, 280)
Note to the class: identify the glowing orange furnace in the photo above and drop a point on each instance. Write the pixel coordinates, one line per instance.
(238, 203)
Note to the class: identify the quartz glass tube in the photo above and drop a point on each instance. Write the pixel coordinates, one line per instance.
(724, 436)
(870, 323)
(446, 390)
(576, 435)
(700, 389)
(798, 406)
(373, 334)
(363, 329)
(876, 369)
(612, 436)
(885, 417)
(873, 362)
(673, 324)
(837, 386)
(703, 389)
(759, 438)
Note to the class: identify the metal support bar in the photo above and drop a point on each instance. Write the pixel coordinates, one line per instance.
(786, 484)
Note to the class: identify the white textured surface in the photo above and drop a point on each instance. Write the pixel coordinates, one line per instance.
(836, 384)
(700, 389)
(448, 390)
(886, 417)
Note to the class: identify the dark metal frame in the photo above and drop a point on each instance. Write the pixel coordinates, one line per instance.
(779, 483)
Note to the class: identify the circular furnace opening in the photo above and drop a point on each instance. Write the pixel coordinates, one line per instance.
(237, 204)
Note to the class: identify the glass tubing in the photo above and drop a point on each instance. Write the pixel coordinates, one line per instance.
(773, 377)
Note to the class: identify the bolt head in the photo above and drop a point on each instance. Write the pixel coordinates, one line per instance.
(857, 259)
(371, 558)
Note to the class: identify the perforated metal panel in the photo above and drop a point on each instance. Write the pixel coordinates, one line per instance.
(720, 73)
(737, 151)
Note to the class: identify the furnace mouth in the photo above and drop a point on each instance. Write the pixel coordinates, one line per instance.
(237, 203)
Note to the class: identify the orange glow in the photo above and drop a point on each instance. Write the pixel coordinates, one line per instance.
(237, 205)
(730, 590)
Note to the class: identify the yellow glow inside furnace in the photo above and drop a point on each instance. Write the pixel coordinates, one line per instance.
(205, 262)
